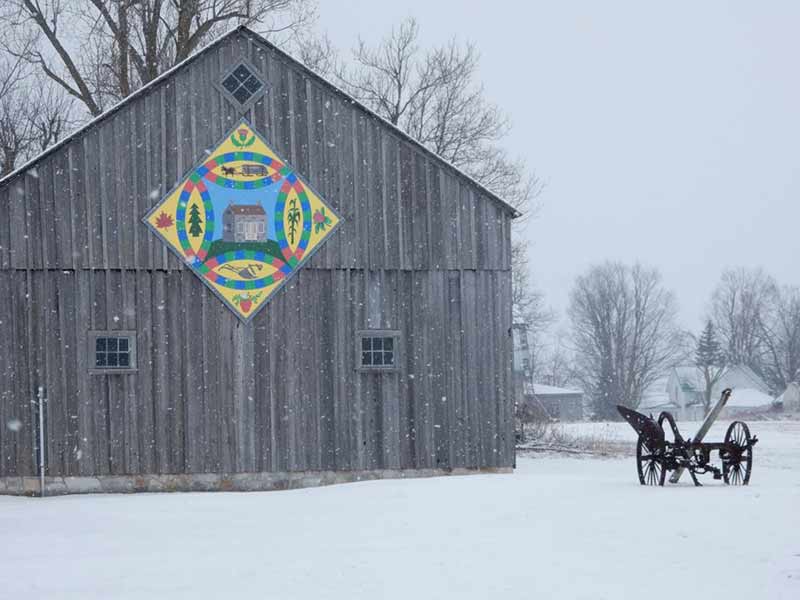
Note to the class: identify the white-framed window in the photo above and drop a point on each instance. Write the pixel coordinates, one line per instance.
(378, 349)
(112, 351)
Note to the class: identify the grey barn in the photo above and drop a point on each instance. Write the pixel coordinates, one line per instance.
(387, 354)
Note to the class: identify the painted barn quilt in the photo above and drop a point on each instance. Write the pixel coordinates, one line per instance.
(243, 221)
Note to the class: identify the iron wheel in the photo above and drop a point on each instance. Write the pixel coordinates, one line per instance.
(737, 463)
(649, 464)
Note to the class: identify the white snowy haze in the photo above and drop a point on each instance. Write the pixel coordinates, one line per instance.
(666, 132)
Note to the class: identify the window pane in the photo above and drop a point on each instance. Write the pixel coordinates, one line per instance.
(366, 358)
(122, 344)
(111, 359)
(242, 95)
(377, 343)
(253, 84)
(230, 83)
(365, 343)
(100, 359)
(100, 344)
(124, 359)
(242, 73)
(388, 358)
(111, 344)
(388, 343)
(377, 358)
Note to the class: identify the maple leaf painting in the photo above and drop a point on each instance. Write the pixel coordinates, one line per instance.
(164, 220)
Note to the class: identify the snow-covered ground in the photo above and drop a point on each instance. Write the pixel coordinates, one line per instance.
(557, 528)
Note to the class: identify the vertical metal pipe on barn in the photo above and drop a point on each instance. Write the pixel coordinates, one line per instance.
(41, 444)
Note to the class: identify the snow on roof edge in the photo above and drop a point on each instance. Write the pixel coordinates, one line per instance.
(549, 390)
(749, 398)
(243, 28)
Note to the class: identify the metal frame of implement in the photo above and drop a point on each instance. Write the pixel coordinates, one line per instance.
(657, 454)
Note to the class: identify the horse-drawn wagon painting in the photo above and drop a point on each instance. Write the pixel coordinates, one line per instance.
(243, 220)
(661, 449)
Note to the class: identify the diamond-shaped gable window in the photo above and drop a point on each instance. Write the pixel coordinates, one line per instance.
(242, 84)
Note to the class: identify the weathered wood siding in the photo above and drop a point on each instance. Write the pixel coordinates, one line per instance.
(421, 249)
(279, 394)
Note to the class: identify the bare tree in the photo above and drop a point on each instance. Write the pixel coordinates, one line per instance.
(317, 52)
(742, 307)
(33, 114)
(781, 365)
(528, 304)
(99, 51)
(624, 333)
(15, 130)
(433, 95)
(51, 116)
(555, 365)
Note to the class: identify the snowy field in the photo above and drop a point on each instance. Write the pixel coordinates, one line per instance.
(557, 528)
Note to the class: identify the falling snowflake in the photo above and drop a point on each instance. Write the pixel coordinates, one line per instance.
(14, 425)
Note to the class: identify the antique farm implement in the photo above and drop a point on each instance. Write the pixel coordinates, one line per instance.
(661, 448)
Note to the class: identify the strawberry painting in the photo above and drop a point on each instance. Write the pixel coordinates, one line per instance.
(245, 301)
(321, 220)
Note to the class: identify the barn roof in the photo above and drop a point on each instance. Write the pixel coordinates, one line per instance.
(246, 209)
(310, 72)
(691, 378)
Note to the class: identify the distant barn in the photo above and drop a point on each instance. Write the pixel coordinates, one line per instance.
(561, 404)
(368, 337)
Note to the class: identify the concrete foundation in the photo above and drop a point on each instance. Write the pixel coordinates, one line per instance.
(213, 482)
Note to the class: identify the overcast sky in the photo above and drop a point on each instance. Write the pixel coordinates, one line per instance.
(668, 133)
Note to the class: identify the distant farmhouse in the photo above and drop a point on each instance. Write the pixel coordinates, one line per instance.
(682, 389)
(244, 223)
(559, 403)
(789, 400)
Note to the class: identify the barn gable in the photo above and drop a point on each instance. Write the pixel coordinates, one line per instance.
(425, 213)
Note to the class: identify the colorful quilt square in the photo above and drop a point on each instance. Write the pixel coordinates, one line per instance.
(243, 221)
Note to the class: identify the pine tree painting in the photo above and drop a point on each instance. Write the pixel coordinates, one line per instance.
(194, 221)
